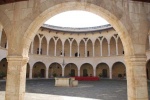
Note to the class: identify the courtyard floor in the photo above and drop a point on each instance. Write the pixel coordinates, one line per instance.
(44, 89)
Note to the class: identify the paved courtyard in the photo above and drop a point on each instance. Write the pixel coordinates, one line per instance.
(101, 90)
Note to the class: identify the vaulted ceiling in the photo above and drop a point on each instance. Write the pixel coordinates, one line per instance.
(11, 1)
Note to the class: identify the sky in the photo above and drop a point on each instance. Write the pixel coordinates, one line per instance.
(76, 19)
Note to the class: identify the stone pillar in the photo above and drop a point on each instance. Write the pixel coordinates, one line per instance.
(40, 47)
(86, 49)
(94, 72)
(101, 49)
(63, 71)
(1, 30)
(136, 77)
(79, 72)
(55, 49)
(108, 49)
(149, 42)
(30, 73)
(32, 44)
(116, 48)
(7, 45)
(93, 50)
(63, 49)
(78, 50)
(47, 72)
(47, 49)
(110, 73)
(16, 78)
(70, 49)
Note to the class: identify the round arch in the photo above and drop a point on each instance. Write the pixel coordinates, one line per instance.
(71, 69)
(39, 70)
(102, 70)
(86, 69)
(118, 70)
(55, 69)
(112, 17)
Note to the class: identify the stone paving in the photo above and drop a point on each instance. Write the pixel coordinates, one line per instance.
(101, 90)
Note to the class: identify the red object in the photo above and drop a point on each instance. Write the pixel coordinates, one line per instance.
(86, 78)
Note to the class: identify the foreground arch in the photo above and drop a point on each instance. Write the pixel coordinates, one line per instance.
(116, 13)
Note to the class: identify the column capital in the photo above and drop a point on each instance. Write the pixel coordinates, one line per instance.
(17, 58)
(135, 58)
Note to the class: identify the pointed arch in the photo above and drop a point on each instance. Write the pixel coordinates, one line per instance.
(36, 45)
(89, 48)
(82, 48)
(67, 48)
(105, 47)
(51, 47)
(43, 46)
(58, 47)
(112, 46)
(97, 48)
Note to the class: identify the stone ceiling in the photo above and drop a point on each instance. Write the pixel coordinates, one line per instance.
(11, 1)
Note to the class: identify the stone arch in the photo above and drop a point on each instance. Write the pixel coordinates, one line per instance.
(67, 48)
(43, 46)
(71, 69)
(3, 66)
(51, 47)
(87, 67)
(97, 48)
(102, 70)
(59, 47)
(105, 11)
(118, 70)
(112, 46)
(74, 48)
(36, 45)
(89, 48)
(39, 70)
(55, 69)
(105, 47)
(82, 48)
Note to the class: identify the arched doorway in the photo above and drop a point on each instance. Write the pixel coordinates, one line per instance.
(55, 70)
(86, 70)
(102, 70)
(3, 68)
(39, 70)
(71, 70)
(118, 70)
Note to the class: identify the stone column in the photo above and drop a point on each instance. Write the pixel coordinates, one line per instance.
(40, 47)
(55, 49)
(63, 71)
(110, 73)
(108, 49)
(116, 48)
(32, 44)
(47, 49)
(70, 49)
(101, 48)
(136, 77)
(30, 73)
(47, 72)
(86, 49)
(94, 72)
(78, 50)
(63, 49)
(1, 30)
(16, 78)
(93, 50)
(79, 72)
(149, 41)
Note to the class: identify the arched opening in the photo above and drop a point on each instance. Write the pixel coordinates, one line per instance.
(86, 70)
(102, 70)
(89, 48)
(36, 45)
(39, 70)
(97, 48)
(27, 70)
(148, 69)
(59, 48)
(74, 48)
(118, 70)
(51, 47)
(105, 47)
(67, 48)
(3, 68)
(71, 70)
(112, 46)
(55, 70)
(3, 39)
(120, 47)
(43, 46)
(82, 49)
